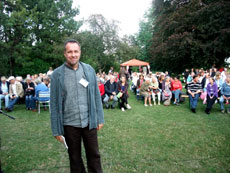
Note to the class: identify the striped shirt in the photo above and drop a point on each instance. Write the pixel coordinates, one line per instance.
(194, 87)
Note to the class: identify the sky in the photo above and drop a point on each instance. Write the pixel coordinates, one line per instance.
(127, 12)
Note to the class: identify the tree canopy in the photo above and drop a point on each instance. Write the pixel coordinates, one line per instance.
(190, 34)
(28, 32)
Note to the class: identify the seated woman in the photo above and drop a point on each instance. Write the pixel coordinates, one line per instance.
(140, 81)
(176, 88)
(212, 94)
(146, 92)
(166, 92)
(29, 93)
(123, 93)
(155, 90)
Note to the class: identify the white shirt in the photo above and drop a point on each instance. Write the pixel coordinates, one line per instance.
(4, 88)
(14, 89)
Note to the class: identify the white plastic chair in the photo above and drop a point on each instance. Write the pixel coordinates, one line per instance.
(43, 100)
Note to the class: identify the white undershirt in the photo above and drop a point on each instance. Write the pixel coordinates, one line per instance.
(14, 89)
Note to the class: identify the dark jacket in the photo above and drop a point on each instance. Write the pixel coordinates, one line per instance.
(29, 92)
(109, 88)
(8, 84)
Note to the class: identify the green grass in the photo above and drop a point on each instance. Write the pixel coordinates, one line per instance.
(143, 139)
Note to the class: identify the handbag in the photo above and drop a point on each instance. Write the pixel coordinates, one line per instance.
(119, 94)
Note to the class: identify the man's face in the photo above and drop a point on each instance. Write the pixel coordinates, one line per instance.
(72, 54)
(196, 79)
(12, 81)
(111, 79)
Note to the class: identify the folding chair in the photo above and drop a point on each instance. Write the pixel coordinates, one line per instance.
(43, 100)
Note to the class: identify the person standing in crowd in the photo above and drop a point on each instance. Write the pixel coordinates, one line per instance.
(29, 93)
(212, 94)
(4, 92)
(123, 90)
(225, 92)
(224, 74)
(16, 91)
(146, 91)
(111, 70)
(111, 92)
(76, 109)
(194, 90)
(176, 87)
(49, 73)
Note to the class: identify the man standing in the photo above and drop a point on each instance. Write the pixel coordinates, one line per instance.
(76, 109)
(194, 90)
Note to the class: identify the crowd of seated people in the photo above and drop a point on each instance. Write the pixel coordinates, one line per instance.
(212, 86)
(15, 90)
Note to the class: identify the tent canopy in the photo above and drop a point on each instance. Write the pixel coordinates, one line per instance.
(134, 62)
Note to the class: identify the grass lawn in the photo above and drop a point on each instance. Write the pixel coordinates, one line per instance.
(142, 140)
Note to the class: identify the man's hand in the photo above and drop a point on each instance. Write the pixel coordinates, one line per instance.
(114, 93)
(59, 138)
(100, 126)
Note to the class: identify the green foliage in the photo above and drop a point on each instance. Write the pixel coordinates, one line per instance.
(29, 32)
(144, 36)
(193, 34)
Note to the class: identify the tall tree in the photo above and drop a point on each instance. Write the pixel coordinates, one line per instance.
(30, 29)
(190, 34)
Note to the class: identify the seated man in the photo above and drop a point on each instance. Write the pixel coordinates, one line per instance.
(4, 92)
(225, 92)
(41, 86)
(111, 91)
(16, 91)
(194, 90)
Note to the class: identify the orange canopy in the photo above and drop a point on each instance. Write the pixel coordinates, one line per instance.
(134, 62)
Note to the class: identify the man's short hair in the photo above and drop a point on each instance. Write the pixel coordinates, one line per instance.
(38, 81)
(46, 79)
(195, 76)
(71, 41)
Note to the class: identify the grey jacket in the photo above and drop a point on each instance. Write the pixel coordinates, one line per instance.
(57, 94)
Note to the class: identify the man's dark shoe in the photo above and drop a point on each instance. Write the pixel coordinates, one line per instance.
(112, 107)
(9, 110)
(207, 111)
(193, 110)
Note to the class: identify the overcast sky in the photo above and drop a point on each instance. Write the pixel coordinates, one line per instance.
(127, 12)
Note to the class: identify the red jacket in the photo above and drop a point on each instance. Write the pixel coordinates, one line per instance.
(101, 89)
(176, 85)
